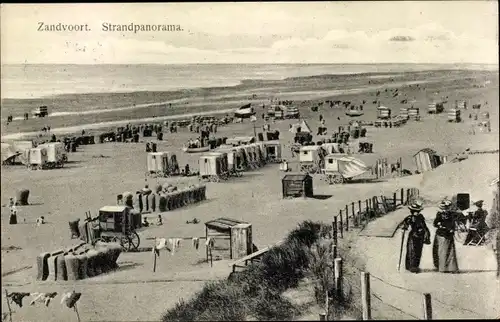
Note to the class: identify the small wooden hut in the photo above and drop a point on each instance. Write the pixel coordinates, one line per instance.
(296, 185)
(232, 238)
(426, 160)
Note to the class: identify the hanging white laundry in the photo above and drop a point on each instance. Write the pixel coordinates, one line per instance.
(161, 243)
(196, 242)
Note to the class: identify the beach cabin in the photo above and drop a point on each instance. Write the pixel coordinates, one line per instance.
(297, 185)
(435, 108)
(213, 166)
(276, 111)
(158, 162)
(291, 112)
(272, 151)
(454, 115)
(231, 157)
(116, 219)
(383, 113)
(403, 113)
(37, 158)
(309, 153)
(56, 155)
(232, 239)
(426, 160)
(414, 113)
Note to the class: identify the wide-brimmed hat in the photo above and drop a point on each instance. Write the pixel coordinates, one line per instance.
(416, 206)
(478, 203)
(445, 204)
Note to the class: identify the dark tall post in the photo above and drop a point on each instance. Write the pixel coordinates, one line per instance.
(347, 212)
(341, 225)
(335, 237)
(402, 196)
(346, 220)
(366, 296)
(427, 302)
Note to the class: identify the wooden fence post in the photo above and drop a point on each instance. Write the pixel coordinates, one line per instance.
(366, 296)
(335, 233)
(341, 227)
(395, 198)
(333, 249)
(346, 219)
(402, 196)
(352, 208)
(338, 278)
(427, 302)
(408, 196)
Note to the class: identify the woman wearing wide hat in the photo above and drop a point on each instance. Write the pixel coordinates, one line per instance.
(418, 236)
(443, 251)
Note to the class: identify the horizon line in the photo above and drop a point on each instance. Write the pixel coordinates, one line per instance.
(392, 63)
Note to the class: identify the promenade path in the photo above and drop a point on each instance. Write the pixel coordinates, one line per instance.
(473, 293)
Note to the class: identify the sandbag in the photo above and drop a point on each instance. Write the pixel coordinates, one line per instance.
(138, 205)
(51, 265)
(152, 202)
(82, 267)
(61, 273)
(22, 197)
(91, 263)
(72, 267)
(42, 266)
(162, 203)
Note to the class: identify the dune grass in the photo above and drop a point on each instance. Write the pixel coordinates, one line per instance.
(256, 293)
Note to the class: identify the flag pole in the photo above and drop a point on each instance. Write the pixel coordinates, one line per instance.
(76, 311)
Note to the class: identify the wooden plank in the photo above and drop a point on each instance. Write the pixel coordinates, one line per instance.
(255, 254)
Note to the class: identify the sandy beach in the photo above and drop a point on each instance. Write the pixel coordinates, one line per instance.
(95, 174)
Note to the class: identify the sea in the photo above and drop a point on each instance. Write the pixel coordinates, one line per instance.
(38, 81)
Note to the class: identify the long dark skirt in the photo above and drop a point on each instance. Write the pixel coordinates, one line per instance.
(414, 248)
(444, 254)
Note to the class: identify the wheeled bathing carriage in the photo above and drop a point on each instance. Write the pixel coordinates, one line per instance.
(311, 159)
(119, 224)
(162, 164)
(214, 167)
(340, 168)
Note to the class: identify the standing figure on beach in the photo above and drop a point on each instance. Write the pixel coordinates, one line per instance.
(418, 236)
(443, 251)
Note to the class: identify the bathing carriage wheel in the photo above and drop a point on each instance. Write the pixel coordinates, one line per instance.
(335, 178)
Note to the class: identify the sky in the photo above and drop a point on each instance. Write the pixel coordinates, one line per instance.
(280, 32)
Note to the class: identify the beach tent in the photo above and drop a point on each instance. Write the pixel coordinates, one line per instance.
(8, 153)
(301, 127)
(426, 160)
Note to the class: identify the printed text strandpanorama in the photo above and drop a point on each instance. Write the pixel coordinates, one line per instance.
(132, 27)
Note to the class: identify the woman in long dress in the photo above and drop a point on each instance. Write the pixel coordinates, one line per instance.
(418, 236)
(444, 252)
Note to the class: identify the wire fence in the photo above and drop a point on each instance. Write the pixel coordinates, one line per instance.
(356, 222)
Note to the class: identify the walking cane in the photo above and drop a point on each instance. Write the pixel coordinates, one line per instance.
(401, 249)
